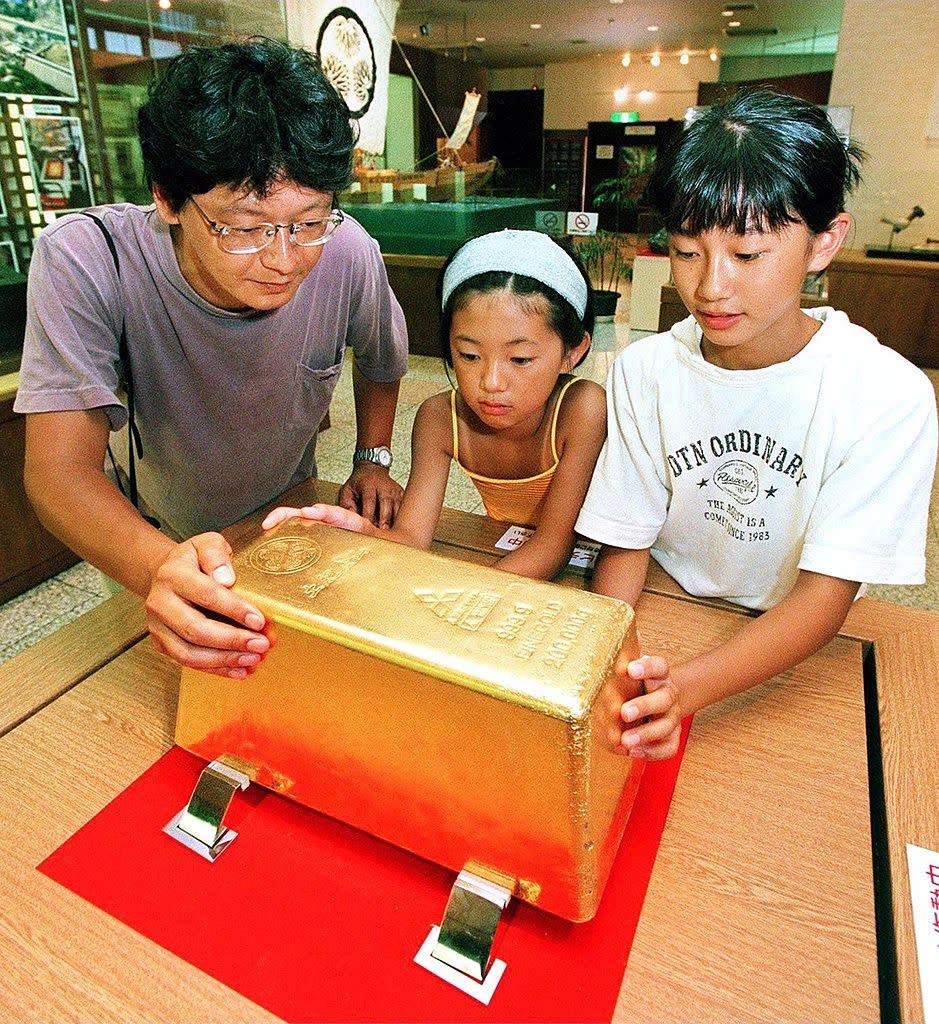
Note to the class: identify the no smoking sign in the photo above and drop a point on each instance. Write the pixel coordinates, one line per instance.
(582, 223)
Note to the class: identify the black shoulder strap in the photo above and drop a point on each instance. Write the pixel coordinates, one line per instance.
(134, 443)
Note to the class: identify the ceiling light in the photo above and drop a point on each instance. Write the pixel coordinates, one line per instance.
(621, 95)
(645, 95)
(165, 5)
(683, 57)
(480, 39)
(733, 24)
(712, 53)
(535, 25)
(727, 12)
(655, 60)
(652, 28)
(627, 59)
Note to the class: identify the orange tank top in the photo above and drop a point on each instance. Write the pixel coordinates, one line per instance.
(513, 501)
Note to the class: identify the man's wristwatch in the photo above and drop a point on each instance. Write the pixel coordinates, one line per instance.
(381, 456)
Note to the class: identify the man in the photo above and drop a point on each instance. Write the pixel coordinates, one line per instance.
(238, 292)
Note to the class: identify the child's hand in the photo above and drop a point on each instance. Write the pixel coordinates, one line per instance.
(332, 515)
(657, 737)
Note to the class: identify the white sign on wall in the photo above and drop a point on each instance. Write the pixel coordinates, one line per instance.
(582, 223)
(551, 222)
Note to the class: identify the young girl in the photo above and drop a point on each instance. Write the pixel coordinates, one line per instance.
(769, 455)
(517, 319)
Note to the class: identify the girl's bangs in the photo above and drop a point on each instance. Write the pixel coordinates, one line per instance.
(740, 204)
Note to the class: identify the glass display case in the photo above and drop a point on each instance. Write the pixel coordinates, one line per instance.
(436, 229)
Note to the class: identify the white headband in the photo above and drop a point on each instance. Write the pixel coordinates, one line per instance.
(531, 253)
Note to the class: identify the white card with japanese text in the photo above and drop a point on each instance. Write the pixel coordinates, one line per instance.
(514, 537)
(924, 893)
(583, 556)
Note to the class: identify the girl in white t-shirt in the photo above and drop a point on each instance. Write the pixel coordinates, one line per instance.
(763, 454)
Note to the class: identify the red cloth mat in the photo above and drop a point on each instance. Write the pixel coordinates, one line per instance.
(318, 921)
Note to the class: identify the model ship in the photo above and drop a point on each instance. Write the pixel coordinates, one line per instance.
(453, 178)
(443, 183)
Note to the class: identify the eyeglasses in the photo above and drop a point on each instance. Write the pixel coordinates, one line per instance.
(242, 241)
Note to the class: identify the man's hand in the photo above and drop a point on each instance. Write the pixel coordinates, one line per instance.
(195, 619)
(653, 720)
(372, 493)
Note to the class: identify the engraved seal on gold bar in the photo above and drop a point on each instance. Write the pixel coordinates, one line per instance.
(282, 555)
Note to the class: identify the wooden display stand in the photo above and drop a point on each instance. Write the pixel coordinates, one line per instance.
(896, 300)
(30, 553)
(413, 279)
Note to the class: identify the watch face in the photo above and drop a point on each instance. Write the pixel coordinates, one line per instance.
(380, 456)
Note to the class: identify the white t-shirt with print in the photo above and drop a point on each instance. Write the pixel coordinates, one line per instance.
(737, 479)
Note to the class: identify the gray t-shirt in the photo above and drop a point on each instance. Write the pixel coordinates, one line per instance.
(227, 404)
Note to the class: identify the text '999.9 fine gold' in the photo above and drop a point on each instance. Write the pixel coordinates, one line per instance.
(460, 712)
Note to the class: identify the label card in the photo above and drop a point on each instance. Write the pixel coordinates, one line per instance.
(924, 893)
(583, 556)
(514, 537)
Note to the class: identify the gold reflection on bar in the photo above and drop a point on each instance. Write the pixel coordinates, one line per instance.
(460, 712)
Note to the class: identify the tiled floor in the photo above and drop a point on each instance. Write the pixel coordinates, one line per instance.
(40, 611)
(51, 604)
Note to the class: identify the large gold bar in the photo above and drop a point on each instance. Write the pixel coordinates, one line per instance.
(462, 713)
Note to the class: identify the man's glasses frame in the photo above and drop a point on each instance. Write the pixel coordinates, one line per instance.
(243, 241)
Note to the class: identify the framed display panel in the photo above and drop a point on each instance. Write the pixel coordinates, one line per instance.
(9, 263)
(35, 55)
(24, 219)
(56, 151)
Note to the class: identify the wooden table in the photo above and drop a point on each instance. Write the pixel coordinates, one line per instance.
(761, 906)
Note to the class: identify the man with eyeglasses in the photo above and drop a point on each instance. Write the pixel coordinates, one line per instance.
(220, 320)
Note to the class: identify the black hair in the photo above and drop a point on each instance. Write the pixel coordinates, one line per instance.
(562, 318)
(245, 115)
(759, 160)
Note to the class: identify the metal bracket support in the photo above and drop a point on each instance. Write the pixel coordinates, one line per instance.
(200, 824)
(460, 950)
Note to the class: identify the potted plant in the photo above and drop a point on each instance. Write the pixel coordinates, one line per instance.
(608, 266)
(658, 242)
(622, 195)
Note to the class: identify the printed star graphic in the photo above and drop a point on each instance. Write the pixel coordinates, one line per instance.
(770, 492)
(703, 483)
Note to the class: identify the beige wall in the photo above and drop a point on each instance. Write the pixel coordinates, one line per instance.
(576, 92)
(515, 78)
(743, 69)
(887, 68)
